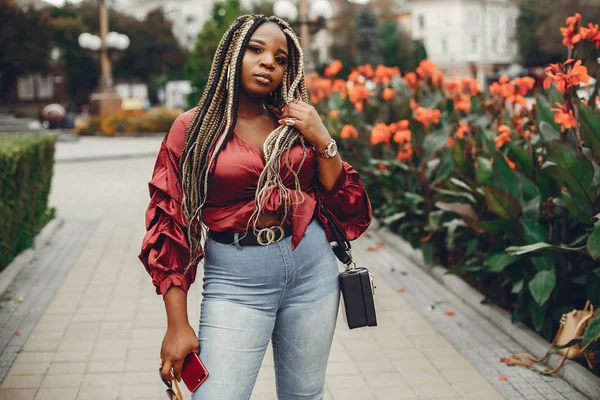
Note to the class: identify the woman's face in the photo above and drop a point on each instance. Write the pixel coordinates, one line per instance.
(264, 60)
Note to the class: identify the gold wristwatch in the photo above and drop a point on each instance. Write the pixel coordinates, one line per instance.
(330, 151)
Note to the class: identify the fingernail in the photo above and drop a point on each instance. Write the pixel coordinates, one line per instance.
(280, 121)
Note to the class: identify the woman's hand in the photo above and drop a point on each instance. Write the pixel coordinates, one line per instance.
(177, 343)
(307, 121)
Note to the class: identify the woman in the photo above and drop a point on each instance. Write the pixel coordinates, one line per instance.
(251, 164)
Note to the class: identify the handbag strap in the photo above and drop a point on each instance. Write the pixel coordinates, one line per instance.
(338, 234)
(177, 391)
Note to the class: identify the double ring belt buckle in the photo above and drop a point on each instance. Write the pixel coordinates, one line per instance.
(267, 235)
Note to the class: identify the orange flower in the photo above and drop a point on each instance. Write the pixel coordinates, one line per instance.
(564, 116)
(406, 153)
(382, 167)
(380, 134)
(510, 163)
(354, 76)
(401, 132)
(359, 106)
(438, 79)
(427, 117)
(524, 84)
(385, 74)
(359, 93)
(340, 86)
(591, 34)
(334, 114)
(462, 103)
(503, 79)
(426, 69)
(388, 94)
(555, 73)
(333, 69)
(348, 131)
(571, 34)
(527, 135)
(463, 129)
(450, 141)
(411, 79)
(366, 70)
(503, 136)
(578, 74)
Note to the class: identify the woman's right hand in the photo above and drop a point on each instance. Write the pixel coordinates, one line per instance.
(177, 344)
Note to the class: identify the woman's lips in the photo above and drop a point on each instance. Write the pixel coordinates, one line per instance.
(262, 80)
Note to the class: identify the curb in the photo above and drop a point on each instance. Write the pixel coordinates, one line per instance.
(573, 373)
(9, 273)
(105, 158)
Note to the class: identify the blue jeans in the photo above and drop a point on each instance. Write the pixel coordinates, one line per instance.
(255, 293)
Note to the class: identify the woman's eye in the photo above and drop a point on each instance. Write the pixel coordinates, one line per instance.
(254, 49)
(282, 60)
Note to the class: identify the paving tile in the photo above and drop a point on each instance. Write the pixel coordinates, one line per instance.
(56, 393)
(21, 382)
(17, 394)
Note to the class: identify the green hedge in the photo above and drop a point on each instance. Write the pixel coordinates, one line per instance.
(26, 167)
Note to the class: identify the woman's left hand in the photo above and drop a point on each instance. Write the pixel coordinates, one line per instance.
(307, 121)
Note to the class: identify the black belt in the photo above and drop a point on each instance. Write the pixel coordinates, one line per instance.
(263, 237)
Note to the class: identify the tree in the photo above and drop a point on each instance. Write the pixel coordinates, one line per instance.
(25, 44)
(200, 61)
(368, 43)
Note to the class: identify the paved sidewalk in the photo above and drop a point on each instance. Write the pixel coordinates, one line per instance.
(100, 336)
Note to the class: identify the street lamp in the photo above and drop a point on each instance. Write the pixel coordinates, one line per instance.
(108, 44)
(307, 17)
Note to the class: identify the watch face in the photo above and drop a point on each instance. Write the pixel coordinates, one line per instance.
(332, 149)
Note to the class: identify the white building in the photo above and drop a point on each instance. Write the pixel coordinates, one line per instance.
(187, 16)
(464, 36)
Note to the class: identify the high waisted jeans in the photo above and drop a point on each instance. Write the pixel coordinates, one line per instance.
(255, 293)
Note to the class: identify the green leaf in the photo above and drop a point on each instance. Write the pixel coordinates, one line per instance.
(592, 331)
(499, 261)
(435, 141)
(393, 218)
(567, 201)
(530, 248)
(538, 314)
(533, 232)
(517, 287)
(570, 343)
(462, 209)
(590, 128)
(521, 157)
(458, 157)
(548, 132)
(444, 168)
(483, 172)
(542, 263)
(592, 286)
(497, 226)
(541, 286)
(455, 194)
(593, 244)
(544, 113)
(501, 203)
(461, 184)
(576, 171)
(451, 227)
(531, 197)
(504, 177)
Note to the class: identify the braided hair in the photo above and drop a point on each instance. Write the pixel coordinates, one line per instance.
(215, 118)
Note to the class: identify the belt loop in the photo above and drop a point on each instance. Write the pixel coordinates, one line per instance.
(236, 238)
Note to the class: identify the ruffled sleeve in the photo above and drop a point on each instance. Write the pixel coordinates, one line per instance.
(165, 249)
(347, 201)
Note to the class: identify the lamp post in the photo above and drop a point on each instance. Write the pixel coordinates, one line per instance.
(104, 98)
(307, 17)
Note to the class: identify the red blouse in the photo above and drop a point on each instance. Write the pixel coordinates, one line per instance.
(231, 201)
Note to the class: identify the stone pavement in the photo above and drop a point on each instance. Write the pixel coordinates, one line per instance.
(99, 336)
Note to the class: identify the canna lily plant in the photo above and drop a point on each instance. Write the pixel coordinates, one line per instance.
(502, 189)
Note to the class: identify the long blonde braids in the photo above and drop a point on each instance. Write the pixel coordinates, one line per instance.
(215, 118)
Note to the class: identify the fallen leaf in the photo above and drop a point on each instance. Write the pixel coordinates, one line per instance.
(19, 299)
(401, 289)
(505, 359)
(449, 313)
(502, 378)
(380, 244)
(372, 248)
(18, 333)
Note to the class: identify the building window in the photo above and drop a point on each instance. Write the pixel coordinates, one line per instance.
(25, 88)
(45, 87)
(473, 43)
(421, 19)
(444, 45)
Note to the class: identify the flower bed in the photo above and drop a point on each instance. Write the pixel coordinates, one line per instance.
(499, 190)
(131, 122)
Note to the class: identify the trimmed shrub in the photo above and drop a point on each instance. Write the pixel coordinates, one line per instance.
(26, 167)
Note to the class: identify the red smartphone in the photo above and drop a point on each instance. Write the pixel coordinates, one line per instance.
(193, 372)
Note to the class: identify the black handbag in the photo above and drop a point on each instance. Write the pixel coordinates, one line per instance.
(356, 283)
